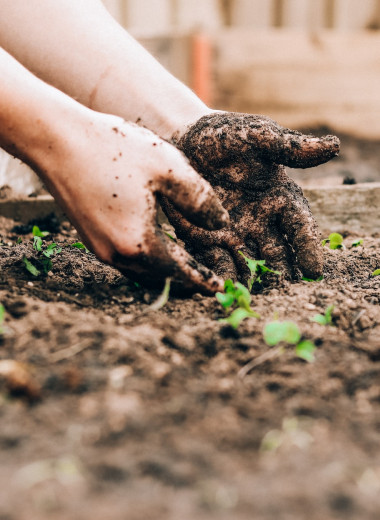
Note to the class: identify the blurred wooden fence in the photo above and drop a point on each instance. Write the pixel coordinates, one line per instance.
(163, 16)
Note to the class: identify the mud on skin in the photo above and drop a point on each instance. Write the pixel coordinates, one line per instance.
(243, 157)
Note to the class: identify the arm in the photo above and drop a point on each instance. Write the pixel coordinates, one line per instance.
(106, 173)
(78, 47)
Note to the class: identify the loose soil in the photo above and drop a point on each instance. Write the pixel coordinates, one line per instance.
(123, 412)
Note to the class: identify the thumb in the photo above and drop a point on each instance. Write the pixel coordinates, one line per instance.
(192, 195)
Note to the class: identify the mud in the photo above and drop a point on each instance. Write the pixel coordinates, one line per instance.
(143, 415)
(242, 156)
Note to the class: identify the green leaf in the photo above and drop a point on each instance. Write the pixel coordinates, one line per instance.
(336, 241)
(256, 268)
(311, 279)
(328, 314)
(277, 331)
(237, 316)
(357, 242)
(19, 240)
(46, 264)
(52, 249)
(305, 350)
(38, 233)
(376, 272)
(79, 245)
(229, 286)
(37, 243)
(30, 267)
(170, 236)
(225, 299)
(319, 318)
(2, 313)
(163, 298)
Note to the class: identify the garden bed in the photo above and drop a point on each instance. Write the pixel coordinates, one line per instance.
(119, 411)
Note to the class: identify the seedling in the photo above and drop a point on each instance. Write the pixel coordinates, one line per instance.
(257, 269)
(38, 233)
(335, 241)
(30, 267)
(312, 279)
(326, 318)
(237, 300)
(376, 272)
(163, 298)
(79, 245)
(276, 332)
(357, 242)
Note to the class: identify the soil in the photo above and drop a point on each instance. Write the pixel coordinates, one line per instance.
(114, 410)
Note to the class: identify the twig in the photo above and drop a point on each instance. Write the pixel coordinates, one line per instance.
(68, 352)
(259, 360)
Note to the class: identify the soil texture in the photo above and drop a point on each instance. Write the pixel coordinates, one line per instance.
(111, 409)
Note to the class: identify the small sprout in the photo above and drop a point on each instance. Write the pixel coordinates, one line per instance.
(30, 267)
(277, 331)
(37, 243)
(38, 233)
(305, 350)
(79, 245)
(335, 241)
(236, 295)
(19, 240)
(357, 242)
(311, 279)
(257, 268)
(326, 318)
(288, 332)
(51, 250)
(376, 272)
(163, 298)
(238, 315)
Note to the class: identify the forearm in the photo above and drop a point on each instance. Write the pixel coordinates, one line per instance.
(34, 117)
(78, 47)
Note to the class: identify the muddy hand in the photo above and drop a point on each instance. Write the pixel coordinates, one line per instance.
(107, 181)
(243, 157)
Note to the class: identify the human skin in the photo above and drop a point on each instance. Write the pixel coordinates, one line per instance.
(106, 174)
(78, 47)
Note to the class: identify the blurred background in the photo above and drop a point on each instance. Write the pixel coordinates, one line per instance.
(309, 64)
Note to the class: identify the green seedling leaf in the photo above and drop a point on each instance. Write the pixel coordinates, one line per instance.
(324, 319)
(38, 233)
(311, 279)
(257, 268)
(79, 245)
(163, 298)
(305, 350)
(51, 250)
(277, 331)
(19, 240)
(37, 243)
(357, 242)
(30, 267)
(376, 272)
(170, 236)
(335, 241)
(47, 264)
(237, 316)
(226, 300)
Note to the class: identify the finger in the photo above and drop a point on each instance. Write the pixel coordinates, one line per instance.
(232, 137)
(302, 231)
(166, 258)
(192, 195)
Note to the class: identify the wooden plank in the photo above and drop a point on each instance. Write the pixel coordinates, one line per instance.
(339, 208)
(346, 208)
(254, 14)
(199, 15)
(304, 14)
(299, 79)
(151, 17)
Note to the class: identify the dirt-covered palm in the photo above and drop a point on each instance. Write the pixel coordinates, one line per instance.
(243, 157)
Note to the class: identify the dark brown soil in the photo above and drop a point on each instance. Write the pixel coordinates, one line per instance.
(128, 413)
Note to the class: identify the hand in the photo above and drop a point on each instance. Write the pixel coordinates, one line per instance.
(106, 177)
(242, 156)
